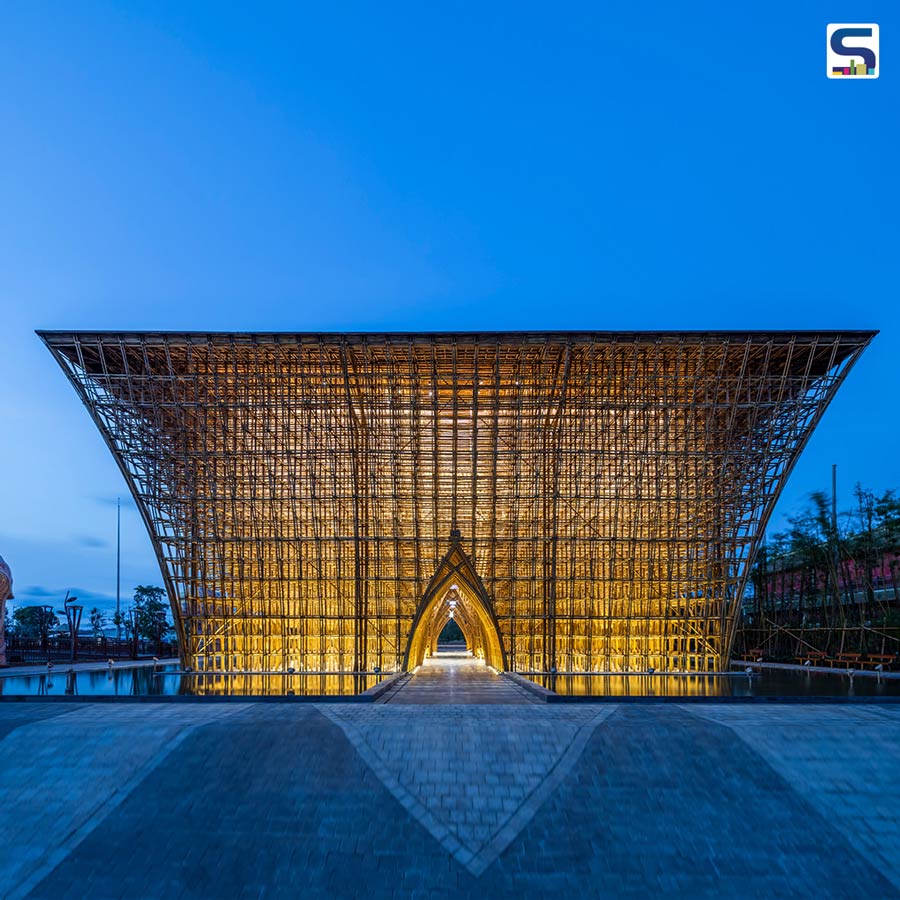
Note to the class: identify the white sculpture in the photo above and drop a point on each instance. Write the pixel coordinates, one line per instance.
(5, 594)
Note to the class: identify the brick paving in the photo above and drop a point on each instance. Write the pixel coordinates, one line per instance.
(455, 677)
(846, 765)
(471, 775)
(244, 800)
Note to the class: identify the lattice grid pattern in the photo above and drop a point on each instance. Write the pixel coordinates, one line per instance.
(609, 488)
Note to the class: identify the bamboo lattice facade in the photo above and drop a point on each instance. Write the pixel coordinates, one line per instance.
(579, 501)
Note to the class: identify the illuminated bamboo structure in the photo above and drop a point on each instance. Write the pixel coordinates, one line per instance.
(579, 501)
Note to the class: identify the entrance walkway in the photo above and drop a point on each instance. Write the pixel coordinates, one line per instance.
(452, 676)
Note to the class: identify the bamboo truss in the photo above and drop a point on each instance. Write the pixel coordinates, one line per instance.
(581, 501)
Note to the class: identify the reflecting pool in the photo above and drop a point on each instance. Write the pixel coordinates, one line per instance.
(170, 680)
(762, 683)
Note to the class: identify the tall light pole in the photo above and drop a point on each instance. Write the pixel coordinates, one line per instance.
(118, 569)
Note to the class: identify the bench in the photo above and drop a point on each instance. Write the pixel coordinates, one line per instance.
(848, 660)
(885, 660)
(754, 655)
(814, 657)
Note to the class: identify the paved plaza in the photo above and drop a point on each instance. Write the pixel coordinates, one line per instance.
(407, 799)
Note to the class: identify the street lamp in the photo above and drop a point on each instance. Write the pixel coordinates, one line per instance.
(73, 618)
(46, 619)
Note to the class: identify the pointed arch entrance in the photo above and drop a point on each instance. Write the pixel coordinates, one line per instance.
(455, 592)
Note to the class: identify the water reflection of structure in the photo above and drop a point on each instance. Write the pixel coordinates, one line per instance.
(170, 681)
(770, 683)
(161, 681)
(252, 684)
(633, 685)
(137, 681)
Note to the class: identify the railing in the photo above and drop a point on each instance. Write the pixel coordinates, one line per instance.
(25, 651)
(787, 642)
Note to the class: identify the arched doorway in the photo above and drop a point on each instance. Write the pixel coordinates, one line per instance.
(455, 591)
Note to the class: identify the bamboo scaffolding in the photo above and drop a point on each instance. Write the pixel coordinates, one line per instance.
(607, 490)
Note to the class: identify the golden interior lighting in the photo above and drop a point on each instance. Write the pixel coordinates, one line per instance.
(456, 591)
(579, 501)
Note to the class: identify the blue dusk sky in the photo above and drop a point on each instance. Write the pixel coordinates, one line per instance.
(630, 165)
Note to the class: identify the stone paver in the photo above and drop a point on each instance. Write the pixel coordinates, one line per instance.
(15, 715)
(662, 804)
(845, 761)
(232, 801)
(61, 776)
(472, 775)
(455, 677)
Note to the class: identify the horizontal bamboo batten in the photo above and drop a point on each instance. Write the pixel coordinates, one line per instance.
(578, 501)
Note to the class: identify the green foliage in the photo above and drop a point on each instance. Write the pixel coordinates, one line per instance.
(451, 633)
(33, 621)
(823, 552)
(122, 621)
(98, 622)
(151, 610)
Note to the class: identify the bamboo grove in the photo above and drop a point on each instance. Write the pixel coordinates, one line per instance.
(576, 501)
(829, 584)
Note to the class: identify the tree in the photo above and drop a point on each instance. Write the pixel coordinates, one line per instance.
(842, 572)
(865, 546)
(151, 608)
(122, 621)
(98, 622)
(815, 544)
(451, 633)
(33, 621)
(887, 514)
